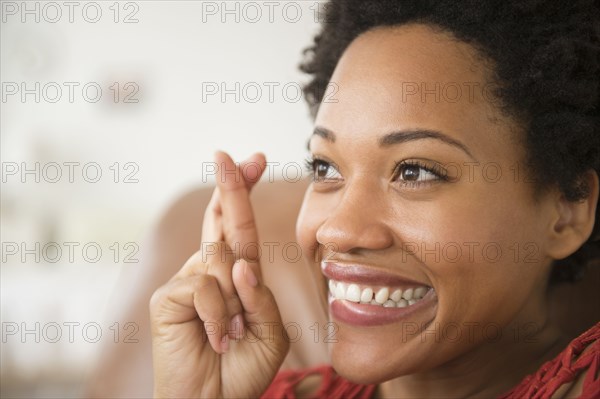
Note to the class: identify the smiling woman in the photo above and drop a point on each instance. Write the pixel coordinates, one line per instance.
(434, 223)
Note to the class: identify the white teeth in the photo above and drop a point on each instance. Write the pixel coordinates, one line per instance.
(389, 304)
(340, 291)
(353, 293)
(398, 298)
(396, 295)
(419, 292)
(366, 295)
(382, 295)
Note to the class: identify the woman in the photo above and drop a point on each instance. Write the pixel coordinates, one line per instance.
(455, 174)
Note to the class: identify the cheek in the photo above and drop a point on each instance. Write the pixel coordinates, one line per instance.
(481, 225)
(477, 247)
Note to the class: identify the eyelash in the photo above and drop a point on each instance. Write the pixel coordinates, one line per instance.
(435, 169)
(311, 163)
(441, 175)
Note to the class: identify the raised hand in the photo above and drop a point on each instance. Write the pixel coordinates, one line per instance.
(216, 328)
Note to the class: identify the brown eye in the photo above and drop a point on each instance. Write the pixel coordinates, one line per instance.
(323, 171)
(410, 172)
(415, 173)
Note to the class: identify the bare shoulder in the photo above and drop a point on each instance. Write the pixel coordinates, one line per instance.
(576, 387)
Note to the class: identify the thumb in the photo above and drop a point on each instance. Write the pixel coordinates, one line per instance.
(261, 312)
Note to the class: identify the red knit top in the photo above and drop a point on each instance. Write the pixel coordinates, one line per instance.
(542, 385)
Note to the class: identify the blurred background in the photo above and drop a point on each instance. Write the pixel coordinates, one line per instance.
(109, 110)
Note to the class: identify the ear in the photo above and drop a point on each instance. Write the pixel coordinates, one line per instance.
(574, 220)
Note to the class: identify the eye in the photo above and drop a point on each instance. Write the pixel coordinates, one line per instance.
(322, 171)
(416, 173)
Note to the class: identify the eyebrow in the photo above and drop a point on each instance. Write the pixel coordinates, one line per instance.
(401, 136)
(321, 132)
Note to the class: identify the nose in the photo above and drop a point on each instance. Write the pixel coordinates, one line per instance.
(358, 222)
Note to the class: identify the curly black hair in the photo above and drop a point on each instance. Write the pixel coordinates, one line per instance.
(546, 57)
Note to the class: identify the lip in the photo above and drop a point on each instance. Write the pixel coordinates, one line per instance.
(368, 315)
(354, 273)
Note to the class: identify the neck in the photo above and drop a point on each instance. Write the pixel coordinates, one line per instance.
(491, 368)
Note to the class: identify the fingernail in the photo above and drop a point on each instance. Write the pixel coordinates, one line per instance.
(225, 343)
(250, 276)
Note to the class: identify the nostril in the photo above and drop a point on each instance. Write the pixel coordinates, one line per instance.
(354, 234)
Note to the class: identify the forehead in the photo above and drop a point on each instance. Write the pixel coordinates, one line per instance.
(409, 76)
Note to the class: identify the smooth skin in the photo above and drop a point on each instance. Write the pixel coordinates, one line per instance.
(380, 190)
(362, 204)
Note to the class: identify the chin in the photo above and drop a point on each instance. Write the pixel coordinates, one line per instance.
(372, 364)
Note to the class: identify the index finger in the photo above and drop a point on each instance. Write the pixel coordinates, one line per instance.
(239, 226)
(212, 229)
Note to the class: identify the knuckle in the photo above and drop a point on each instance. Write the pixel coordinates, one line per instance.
(202, 281)
(195, 262)
(158, 298)
(248, 224)
(154, 301)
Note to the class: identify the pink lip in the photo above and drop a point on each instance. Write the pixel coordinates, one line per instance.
(364, 275)
(368, 315)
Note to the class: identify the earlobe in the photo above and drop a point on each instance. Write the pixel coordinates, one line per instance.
(575, 220)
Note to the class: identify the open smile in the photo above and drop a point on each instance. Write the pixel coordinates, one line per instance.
(363, 296)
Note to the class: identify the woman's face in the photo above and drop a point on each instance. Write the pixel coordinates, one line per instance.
(420, 196)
